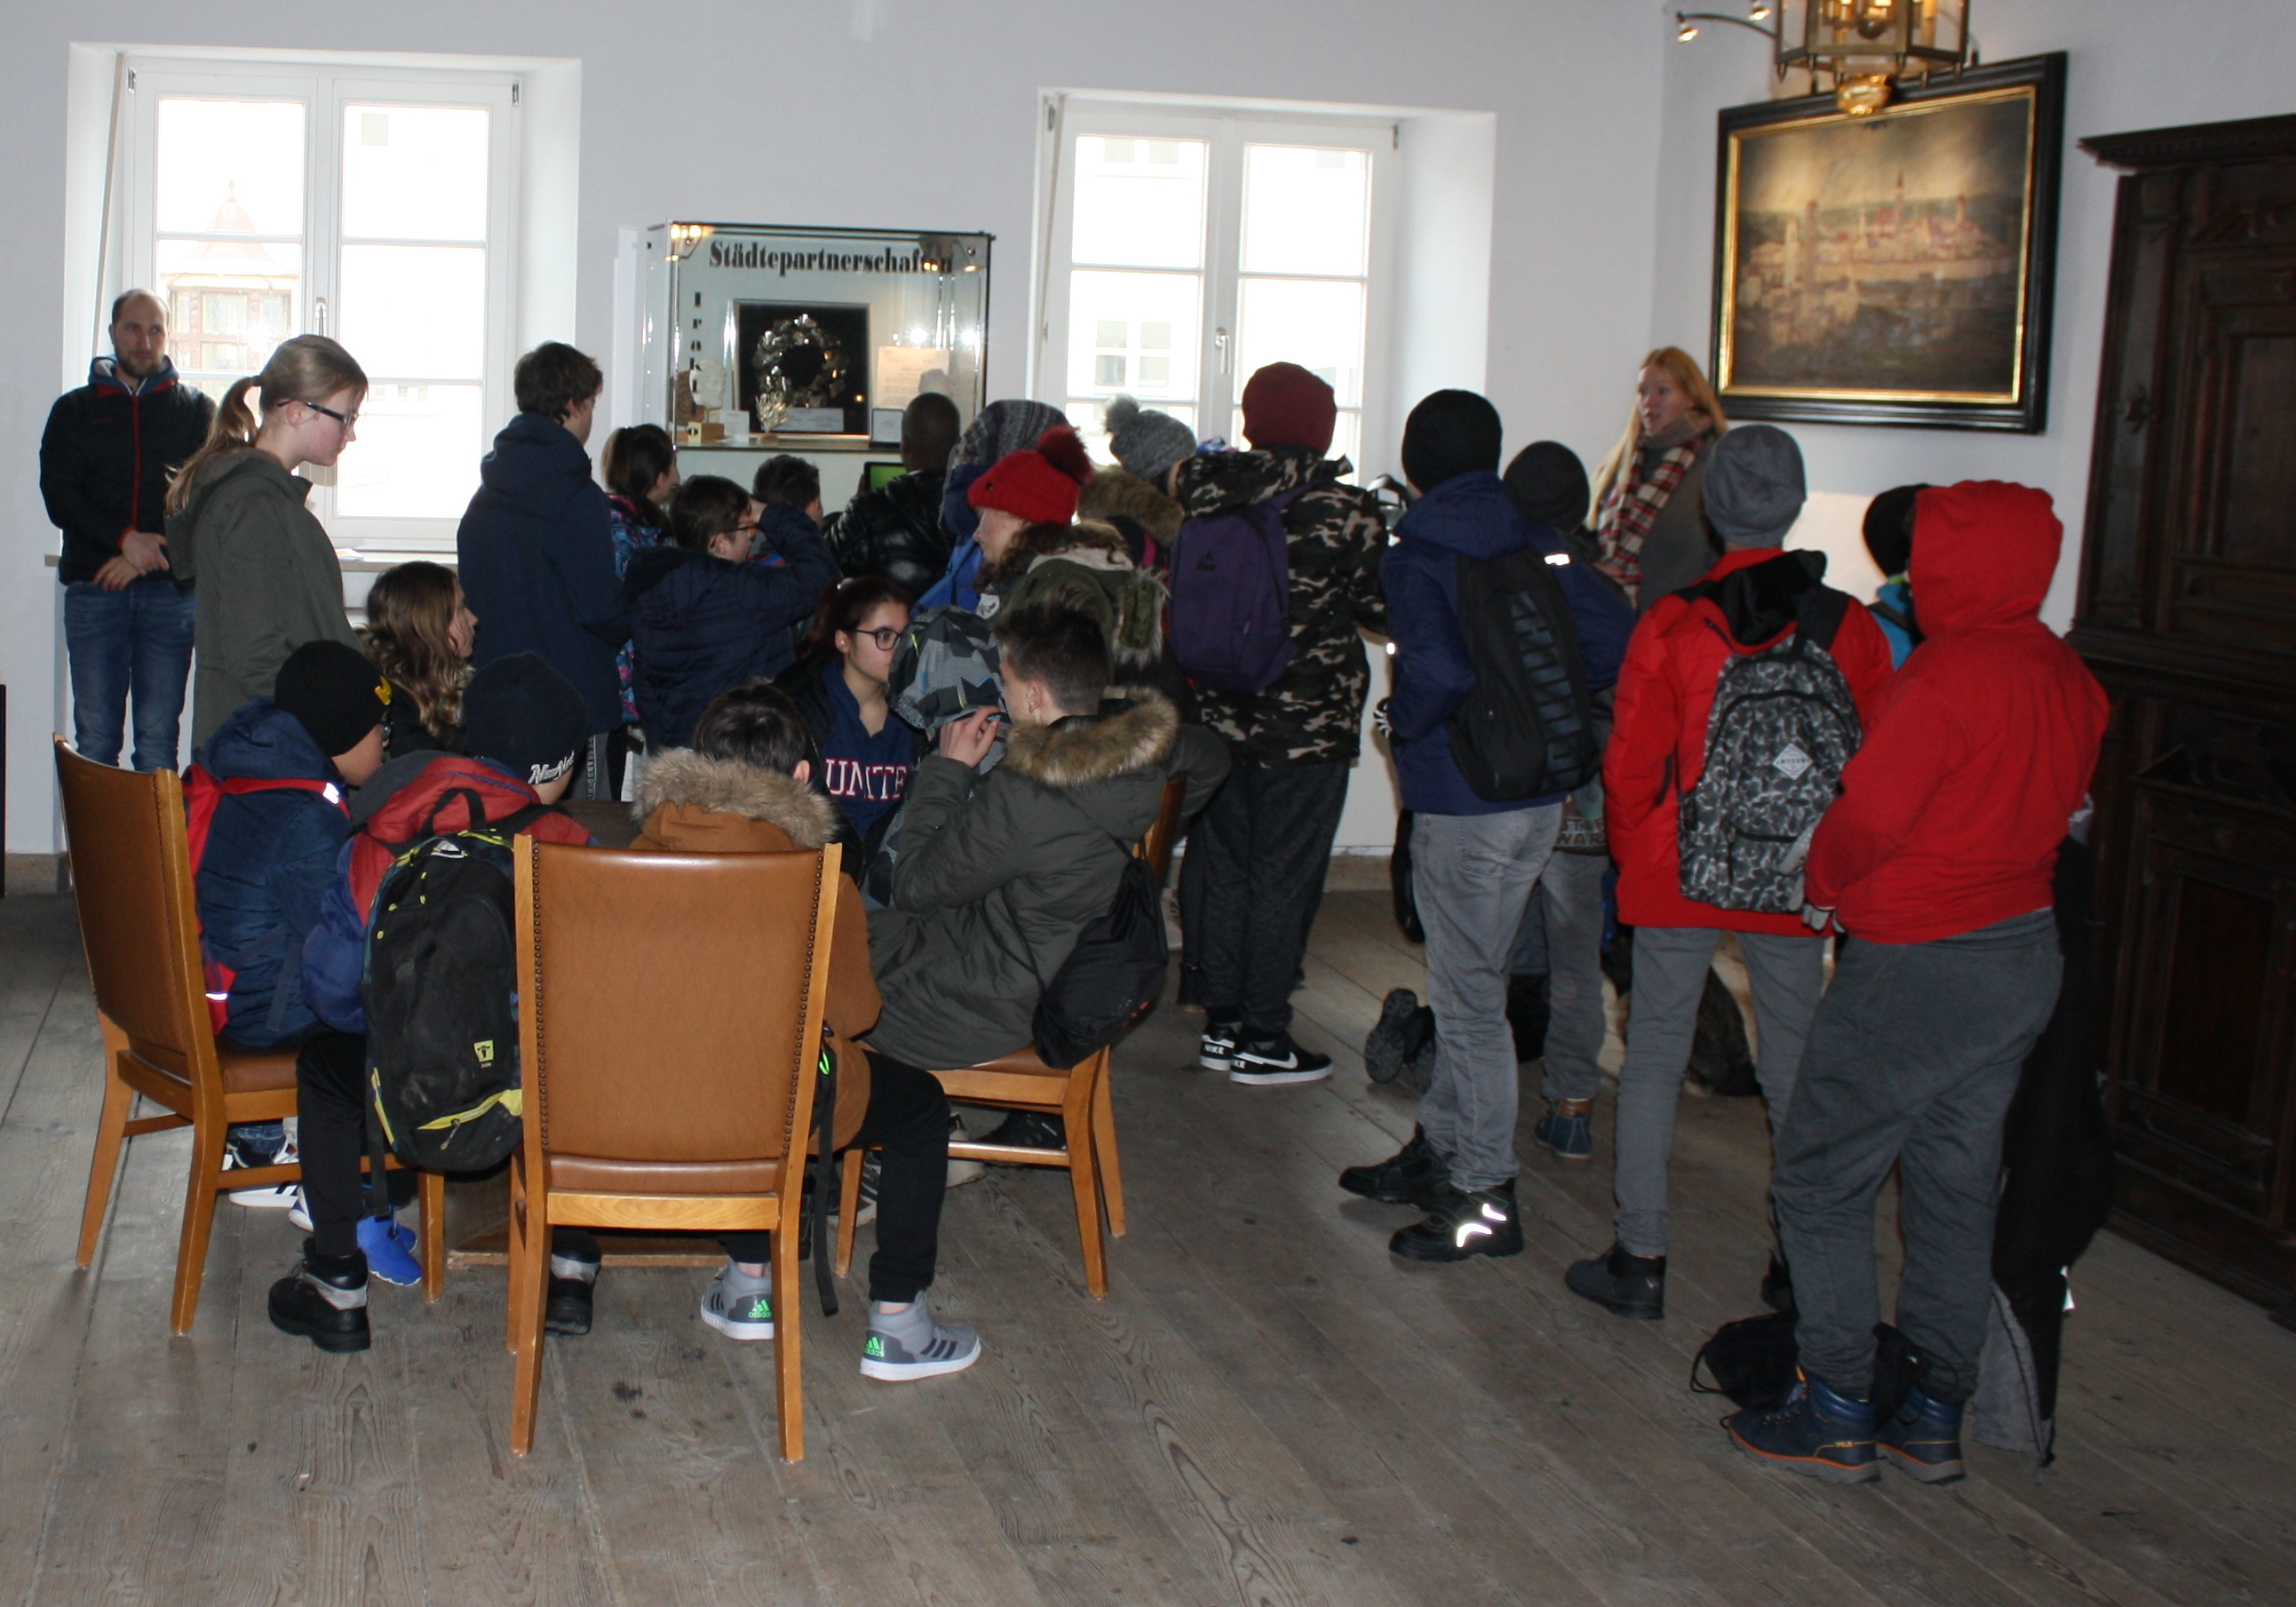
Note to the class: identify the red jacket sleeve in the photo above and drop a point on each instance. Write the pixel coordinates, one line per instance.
(1884, 789)
(1646, 721)
(1863, 651)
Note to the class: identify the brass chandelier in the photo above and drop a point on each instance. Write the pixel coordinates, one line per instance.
(1863, 46)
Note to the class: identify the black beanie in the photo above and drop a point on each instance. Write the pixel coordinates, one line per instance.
(334, 691)
(1450, 433)
(1549, 484)
(1889, 528)
(525, 717)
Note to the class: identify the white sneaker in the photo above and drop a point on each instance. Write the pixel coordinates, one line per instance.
(737, 1316)
(962, 1171)
(950, 1349)
(298, 1214)
(280, 1196)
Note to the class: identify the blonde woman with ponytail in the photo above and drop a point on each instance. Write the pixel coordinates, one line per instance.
(266, 577)
(1648, 511)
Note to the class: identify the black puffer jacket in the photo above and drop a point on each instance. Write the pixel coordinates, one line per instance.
(895, 531)
(105, 458)
(701, 625)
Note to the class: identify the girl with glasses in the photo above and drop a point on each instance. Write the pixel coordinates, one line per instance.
(838, 683)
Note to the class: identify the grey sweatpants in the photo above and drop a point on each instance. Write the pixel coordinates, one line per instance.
(1571, 900)
(1473, 875)
(1912, 1062)
(1670, 966)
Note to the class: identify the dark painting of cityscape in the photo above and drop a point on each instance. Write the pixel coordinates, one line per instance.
(1882, 257)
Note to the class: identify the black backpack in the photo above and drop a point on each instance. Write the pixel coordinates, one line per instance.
(1525, 731)
(440, 987)
(1110, 978)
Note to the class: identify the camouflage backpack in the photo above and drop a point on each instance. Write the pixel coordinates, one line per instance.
(945, 668)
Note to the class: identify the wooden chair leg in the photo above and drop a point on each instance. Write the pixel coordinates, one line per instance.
(1084, 1178)
(111, 1133)
(789, 1305)
(1104, 1144)
(530, 1261)
(431, 1190)
(849, 1206)
(513, 1327)
(208, 1136)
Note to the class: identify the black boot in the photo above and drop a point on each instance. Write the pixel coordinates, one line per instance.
(1485, 1222)
(1415, 1175)
(1630, 1285)
(310, 1302)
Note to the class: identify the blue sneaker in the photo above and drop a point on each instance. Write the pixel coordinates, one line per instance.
(389, 1251)
(1817, 1431)
(1923, 1437)
(1568, 1128)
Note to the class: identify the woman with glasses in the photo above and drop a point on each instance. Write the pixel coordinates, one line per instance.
(265, 573)
(837, 684)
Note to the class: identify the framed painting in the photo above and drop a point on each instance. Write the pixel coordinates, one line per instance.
(1894, 268)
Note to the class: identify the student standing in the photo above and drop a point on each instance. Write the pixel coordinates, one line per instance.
(640, 464)
(267, 578)
(105, 462)
(1649, 492)
(896, 531)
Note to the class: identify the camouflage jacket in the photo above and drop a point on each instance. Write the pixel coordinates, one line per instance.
(1313, 715)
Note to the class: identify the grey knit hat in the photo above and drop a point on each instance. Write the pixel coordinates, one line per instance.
(1754, 485)
(1146, 442)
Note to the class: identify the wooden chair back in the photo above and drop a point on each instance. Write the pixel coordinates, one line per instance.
(1156, 847)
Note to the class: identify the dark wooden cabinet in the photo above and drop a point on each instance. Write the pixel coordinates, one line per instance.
(2188, 616)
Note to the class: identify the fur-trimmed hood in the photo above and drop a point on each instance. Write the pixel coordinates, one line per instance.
(1134, 731)
(1114, 494)
(683, 778)
(1088, 565)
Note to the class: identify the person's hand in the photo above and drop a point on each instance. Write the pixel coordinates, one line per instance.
(968, 739)
(117, 573)
(145, 550)
(1815, 917)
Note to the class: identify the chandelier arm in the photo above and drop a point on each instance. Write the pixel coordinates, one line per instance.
(1771, 34)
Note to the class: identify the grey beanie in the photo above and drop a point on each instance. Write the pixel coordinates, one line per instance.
(1754, 485)
(1144, 441)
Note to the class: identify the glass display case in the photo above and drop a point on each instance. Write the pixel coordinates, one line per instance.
(761, 339)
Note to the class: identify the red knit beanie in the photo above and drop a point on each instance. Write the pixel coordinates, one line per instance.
(1039, 484)
(1286, 405)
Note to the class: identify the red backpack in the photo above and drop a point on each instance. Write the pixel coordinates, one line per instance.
(203, 794)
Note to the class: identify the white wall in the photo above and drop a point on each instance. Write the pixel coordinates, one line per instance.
(2132, 64)
(905, 114)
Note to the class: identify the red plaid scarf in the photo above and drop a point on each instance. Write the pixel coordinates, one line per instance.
(1631, 507)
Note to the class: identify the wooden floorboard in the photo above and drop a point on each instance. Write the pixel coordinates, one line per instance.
(1268, 1408)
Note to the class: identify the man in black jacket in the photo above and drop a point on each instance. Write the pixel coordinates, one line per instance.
(105, 458)
(896, 530)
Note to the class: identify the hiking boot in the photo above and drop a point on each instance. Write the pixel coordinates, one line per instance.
(324, 1300)
(1485, 1222)
(1815, 1433)
(1568, 1128)
(1265, 1061)
(1387, 1047)
(1630, 1285)
(1922, 1437)
(1216, 1050)
(896, 1351)
(1415, 1175)
(738, 1316)
(572, 1284)
(389, 1251)
(1777, 1284)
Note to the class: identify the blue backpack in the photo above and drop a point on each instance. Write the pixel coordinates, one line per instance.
(1232, 596)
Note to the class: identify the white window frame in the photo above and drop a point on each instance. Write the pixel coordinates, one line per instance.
(325, 91)
(1226, 131)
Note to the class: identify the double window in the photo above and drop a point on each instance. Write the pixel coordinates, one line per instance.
(264, 201)
(1187, 250)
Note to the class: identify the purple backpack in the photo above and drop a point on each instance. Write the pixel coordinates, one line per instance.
(1232, 596)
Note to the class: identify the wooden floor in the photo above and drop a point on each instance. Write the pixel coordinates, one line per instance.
(1267, 1409)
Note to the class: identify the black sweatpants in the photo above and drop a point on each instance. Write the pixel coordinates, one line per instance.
(1254, 876)
(908, 1116)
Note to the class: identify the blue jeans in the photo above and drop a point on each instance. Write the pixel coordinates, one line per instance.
(137, 638)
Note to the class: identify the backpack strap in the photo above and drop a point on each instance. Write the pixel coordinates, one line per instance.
(825, 1122)
(1821, 615)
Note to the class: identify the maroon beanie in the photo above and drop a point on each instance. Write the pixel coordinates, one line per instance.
(1039, 485)
(1286, 405)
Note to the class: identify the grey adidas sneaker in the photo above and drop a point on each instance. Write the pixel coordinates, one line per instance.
(737, 1316)
(951, 1350)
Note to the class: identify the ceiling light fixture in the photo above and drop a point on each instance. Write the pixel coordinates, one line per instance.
(1862, 47)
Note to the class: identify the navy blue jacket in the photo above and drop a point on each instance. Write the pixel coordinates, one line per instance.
(536, 555)
(270, 857)
(1473, 516)
(701, 625)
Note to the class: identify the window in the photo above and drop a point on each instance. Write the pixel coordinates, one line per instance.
(264, 201)
(1187, 251)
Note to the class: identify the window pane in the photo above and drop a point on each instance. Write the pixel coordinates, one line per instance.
(1113, 318)
(228, 305)
(1305, 211)
(1317, 323)
(416, 455)
(230, 166)
(1139, 202)
(1090, 416)
(414, 172)
(416, 311)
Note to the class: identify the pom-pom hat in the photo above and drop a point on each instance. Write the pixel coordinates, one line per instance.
(1039, 485)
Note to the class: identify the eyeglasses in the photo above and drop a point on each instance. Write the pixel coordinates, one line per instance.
(346, 420)
(886, 636)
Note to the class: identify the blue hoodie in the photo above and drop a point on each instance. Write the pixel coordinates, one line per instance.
(270, 857)
(537, 556)
(1469, 515)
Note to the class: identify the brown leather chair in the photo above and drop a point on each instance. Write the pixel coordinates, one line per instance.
(139, 923)
(669, 1040)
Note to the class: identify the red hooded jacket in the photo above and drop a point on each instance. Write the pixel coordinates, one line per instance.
(437, 801)
(1658, 744)
(1950, 816)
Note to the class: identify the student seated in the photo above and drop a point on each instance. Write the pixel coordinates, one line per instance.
(270, 852)
(704, 618)
(837, 684)
(524, 725)
(745, 788)
(419, 631)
